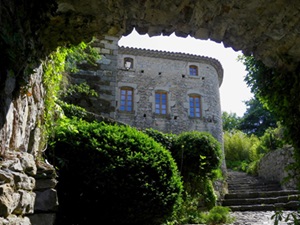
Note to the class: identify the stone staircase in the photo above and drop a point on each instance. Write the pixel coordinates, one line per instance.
(250, 193)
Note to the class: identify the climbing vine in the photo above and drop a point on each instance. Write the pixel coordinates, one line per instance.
(63, 60)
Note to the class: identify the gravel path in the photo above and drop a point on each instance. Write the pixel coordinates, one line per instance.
(256, 218)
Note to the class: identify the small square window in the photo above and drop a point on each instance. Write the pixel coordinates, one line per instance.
(128, 63)
(193, 70)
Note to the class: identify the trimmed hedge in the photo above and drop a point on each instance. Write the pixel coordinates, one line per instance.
(165, 139)
(197, 154)
(113, 175)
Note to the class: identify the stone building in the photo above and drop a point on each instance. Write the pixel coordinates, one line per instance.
(170, 92)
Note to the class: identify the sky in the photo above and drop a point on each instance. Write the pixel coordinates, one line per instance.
(233, 91)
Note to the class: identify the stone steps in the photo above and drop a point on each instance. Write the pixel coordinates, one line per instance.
(250, 193)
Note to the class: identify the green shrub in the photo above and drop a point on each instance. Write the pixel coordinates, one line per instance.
(272, 139)
(237, 165)
(166, 140)
(238, 146)
(202, 189)
(240, 150)
(253, 167)
(71, 110)
(113, 175)
(189, 212)
(197, 153)
(219, 215)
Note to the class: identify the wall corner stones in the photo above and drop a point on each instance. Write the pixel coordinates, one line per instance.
(26, 189)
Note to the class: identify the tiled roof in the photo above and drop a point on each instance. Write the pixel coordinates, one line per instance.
(175, 56)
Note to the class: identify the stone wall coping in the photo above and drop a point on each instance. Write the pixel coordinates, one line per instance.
(175, 56)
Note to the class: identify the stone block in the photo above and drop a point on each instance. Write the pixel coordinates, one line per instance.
(26, 203)
(42, 219)
(6, 177)
(46, 201)
(22, 181)
(202, 33)
(105, 51)
(112, 38)
(42, 184)
(12, 164)
(15, 220)
(45, 170)
(28, 163)
(8, 200)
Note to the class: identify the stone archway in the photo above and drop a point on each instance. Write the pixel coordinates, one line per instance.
(31, 29)
(267, 29)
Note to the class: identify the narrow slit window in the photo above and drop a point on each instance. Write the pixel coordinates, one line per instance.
(161, 102)
(193, 70)
(195, 106)
(126, 99)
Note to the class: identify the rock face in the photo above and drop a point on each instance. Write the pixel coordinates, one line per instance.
(25, 181)
(23, 114)
(274, 166)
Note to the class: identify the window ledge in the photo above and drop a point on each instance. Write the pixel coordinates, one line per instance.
(195, 118)
(127, 70)
(194, 77)
(126, 112)
(163, 116)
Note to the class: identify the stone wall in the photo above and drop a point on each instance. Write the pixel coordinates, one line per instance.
(273, 166)
(26, 183)
(169, 72)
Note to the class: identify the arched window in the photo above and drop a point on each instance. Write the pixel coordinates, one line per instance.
(128, 63)
(126, 99)
(161, 102)
(193, 70)
(195, 105)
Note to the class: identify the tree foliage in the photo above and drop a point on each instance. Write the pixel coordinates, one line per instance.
(58, 63)
(257, 119)
(230, 121)
(278, 90)
(238, 146)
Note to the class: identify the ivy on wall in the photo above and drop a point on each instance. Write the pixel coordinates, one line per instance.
(60, 62)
